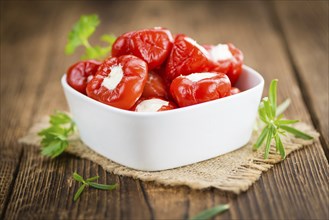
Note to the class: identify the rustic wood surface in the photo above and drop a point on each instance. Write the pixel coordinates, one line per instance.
(284, 40)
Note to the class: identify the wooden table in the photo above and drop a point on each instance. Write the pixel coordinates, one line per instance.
(287, 40)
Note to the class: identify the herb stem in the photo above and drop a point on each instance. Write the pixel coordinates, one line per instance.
(85, 43)
(89, 182)
(271, 116)
(81, 32)
(212, 212)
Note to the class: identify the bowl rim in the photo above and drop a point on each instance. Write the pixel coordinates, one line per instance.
(67, 87)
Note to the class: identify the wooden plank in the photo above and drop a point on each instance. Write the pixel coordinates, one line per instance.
(45, 190)
(305, 27)
(38, 191)
(22, 53)
(281, 192)
(296, 189)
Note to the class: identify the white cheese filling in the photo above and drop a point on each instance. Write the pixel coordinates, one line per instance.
(195, 77)
(151, 105)
(114, 78)
(221, 52)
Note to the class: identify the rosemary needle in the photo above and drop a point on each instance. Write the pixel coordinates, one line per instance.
(90, 183)
(274, 124)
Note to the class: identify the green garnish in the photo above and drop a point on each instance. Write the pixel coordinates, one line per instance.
(55, 137)
(90, 182)
(212, 212)
(79, 35)
(274, 124)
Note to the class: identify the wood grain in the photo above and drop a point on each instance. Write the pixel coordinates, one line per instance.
(35, 187)
(19, 83)
(305, 28)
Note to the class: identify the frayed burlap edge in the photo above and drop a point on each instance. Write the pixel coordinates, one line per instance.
(233, 172)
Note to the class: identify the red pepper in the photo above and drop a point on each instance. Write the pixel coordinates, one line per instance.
(121, 46)
(235, 90)
(231, 66)
(151, 45)
(187, 57)
(189, 90)
(153, 105)
(80, 73)
(119, 81)
(155, 86)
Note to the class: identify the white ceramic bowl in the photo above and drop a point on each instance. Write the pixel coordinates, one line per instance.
(163, 140)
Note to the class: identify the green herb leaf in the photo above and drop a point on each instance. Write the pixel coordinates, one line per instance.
(92, 178)
(54, 148)
(109, 38)
(60, 118)
(279, 146)
(78, 193)
(261, 138)
(80, 34)
(268, 142)
(102, 186)
(275, 126)
(286, 122)
(262, 113)
(272, 95)
(53, 130)
(212, 212)
(96, 52)
(55, 137)
(81, 31)
(89, 182)
(296, 132)
(77, 177)
(268, 108)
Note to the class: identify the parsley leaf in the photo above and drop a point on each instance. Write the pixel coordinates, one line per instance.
(55, 137)
(80, 34)
(81, 31)
(271, 115)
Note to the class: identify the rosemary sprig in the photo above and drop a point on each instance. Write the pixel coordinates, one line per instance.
(274, 124)
(90, 183)
(212, 212)
(55, 137)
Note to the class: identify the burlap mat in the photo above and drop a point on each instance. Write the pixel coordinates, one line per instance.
(234, 172)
